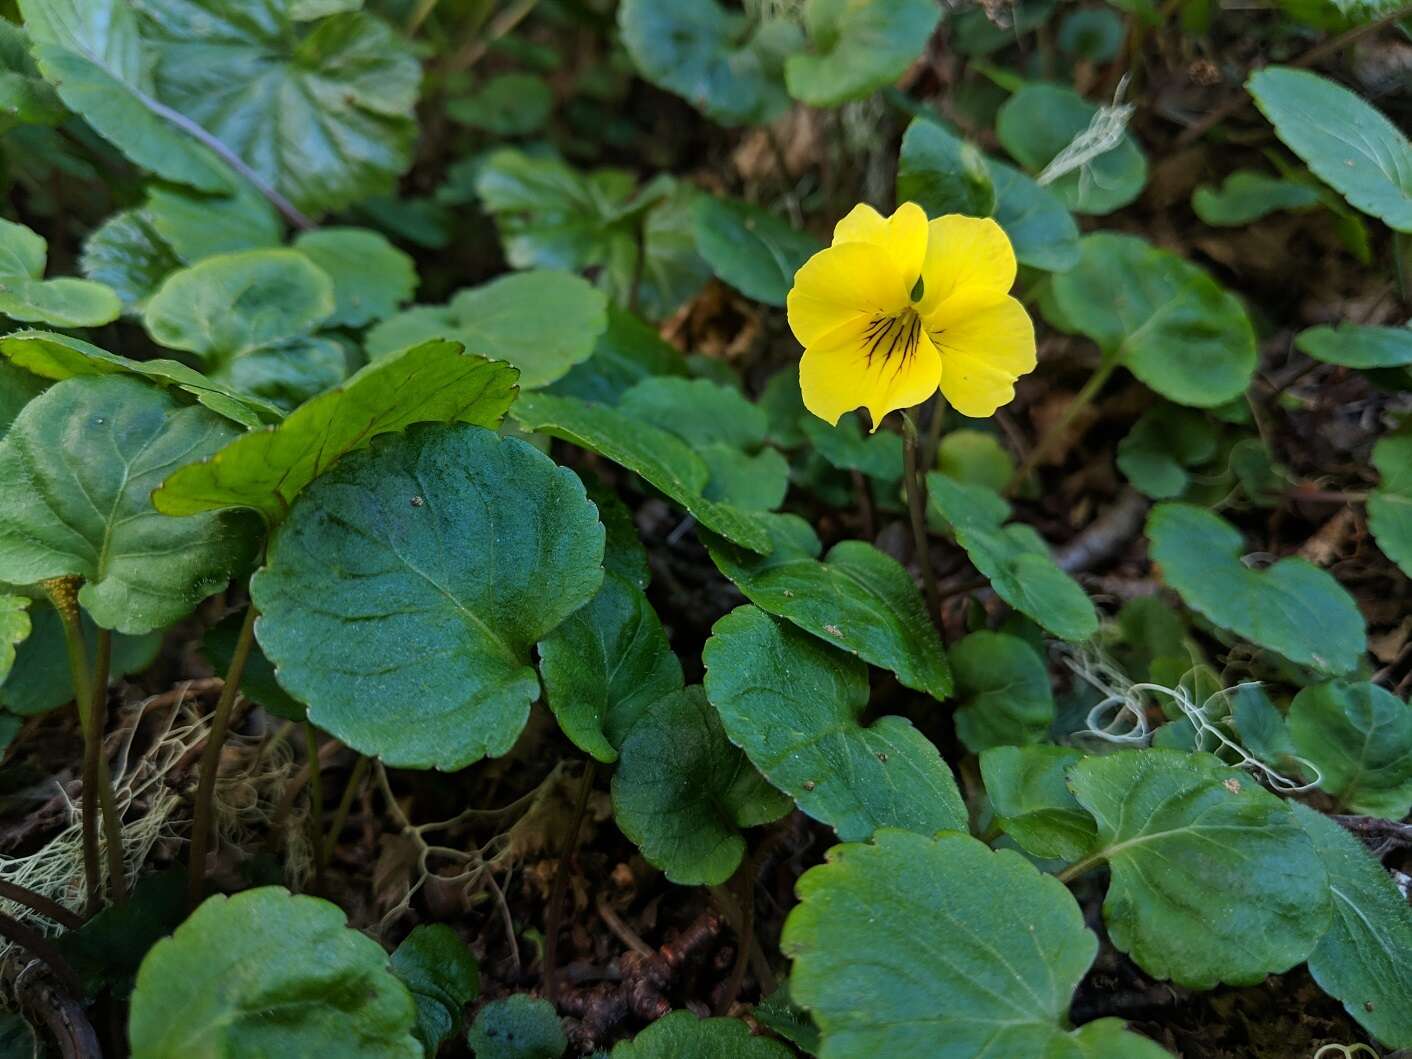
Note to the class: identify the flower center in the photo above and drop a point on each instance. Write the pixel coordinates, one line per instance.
(893, 338)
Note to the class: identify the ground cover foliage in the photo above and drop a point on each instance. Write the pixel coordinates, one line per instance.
(440, 616)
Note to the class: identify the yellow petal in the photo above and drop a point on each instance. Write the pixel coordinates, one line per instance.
(983, 351)
(838, 376)
(838, 286)
(965, 255)
(903, 236)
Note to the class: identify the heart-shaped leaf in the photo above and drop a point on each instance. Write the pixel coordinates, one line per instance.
(1390, 505)
(681, 1034)
(404, 643)
(442, 975)
(195, 992)
(14, 630)
(1213, 879)
(1014, 558)
(940, 947)
(793, 704)
(849, 447)
(856, 598)
(197, 226)
(682, 792)
(87, 453)
(371, 277)
(1041, 120)
(265, 470)
(1003, 689)
(605, 666)
(518, 1026)
(25, 294)
(1357, 345)
(943, 173)
(55, 356)
(662, 459)
(1293, 607)
(1247, 195)
(506, 320)
(1359, 736)
(751, 249)
(1029, 793)
(321, 109)
(704, 54)
(1345, 141)
(1163, 446)
(858, 47)
(1361, 960)
(1163, 318)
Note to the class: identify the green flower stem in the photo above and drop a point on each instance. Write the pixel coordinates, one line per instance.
(345, 803)
(96, 764)
(211, 761)
(934, 428)
(316, 801)
(1057, 429)
(561, 883)
(916, 507)
(1074, 870)
(63, 593)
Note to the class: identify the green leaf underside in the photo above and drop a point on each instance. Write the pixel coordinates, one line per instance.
(857, 598)
(1029, 792)
(660, 458)
(683, 793)
(1362, 959)
(441, 974)
(1359, 736)
(518, 1026)
(793, 704)
(212, 986)
(55, 356)
(1003, 688)
(406, 642)
(266, 469)
(606, 665)
(940, 947)
(507, 319)
(1390, 505)
(1292, 607)
(681, 1034)
(26, 296)
(1164, 319)
(1213, 880)
(87, 453)
(1014, 558)
(1345, 141)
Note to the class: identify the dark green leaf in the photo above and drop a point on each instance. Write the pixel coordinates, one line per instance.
(443, 977)
(1247, 195)
(858, 47)
(1359, 736)
(198, 226)
(1029, 792)
(1003, 691)
(681, 1035)
(518, 1027)
(625, 354)
(507, 105)
(1390, 505)
(108, 949)
(751, 249)
(1163, 446)
(257, 680)
(371, 277)
(14, 629)
(126, 254)
(1358, 346)
(943, 173)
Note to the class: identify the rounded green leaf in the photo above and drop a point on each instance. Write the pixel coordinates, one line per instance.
(625, 354)
(513, 104)
(1041, 228)
(1040, 120)
(88, 452)
(126, 253)
(1292, 607)
(1091, 33)
(1162, 447)
(974, 457)
(751, 249)
(1347, 143)
(266, 469)
(940, 947)
(211, 987)
(26, 296)
(442, 975)
(198, 226)
(793, 704)
(1362, 959)
(1003, 689)
(1163, 318)
(683, 793)
(1247, 195)
(857, 598)
(943, 173)
(1213, 880)
(1014, 558)
(1359, 736)
(321, 110)
(508, 319)
(681, 1035)
(849, 447)
(233, 304)
(518, 1027)
(1390, 505)
(1357, 345)
(703, 53)
(858, 47)
(1029, 794)
(662, 459)
(404, 591)
(371, 277)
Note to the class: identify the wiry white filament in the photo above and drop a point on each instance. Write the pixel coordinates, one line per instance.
(1104, 132)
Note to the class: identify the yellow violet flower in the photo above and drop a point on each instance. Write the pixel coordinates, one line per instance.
(868, 342)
